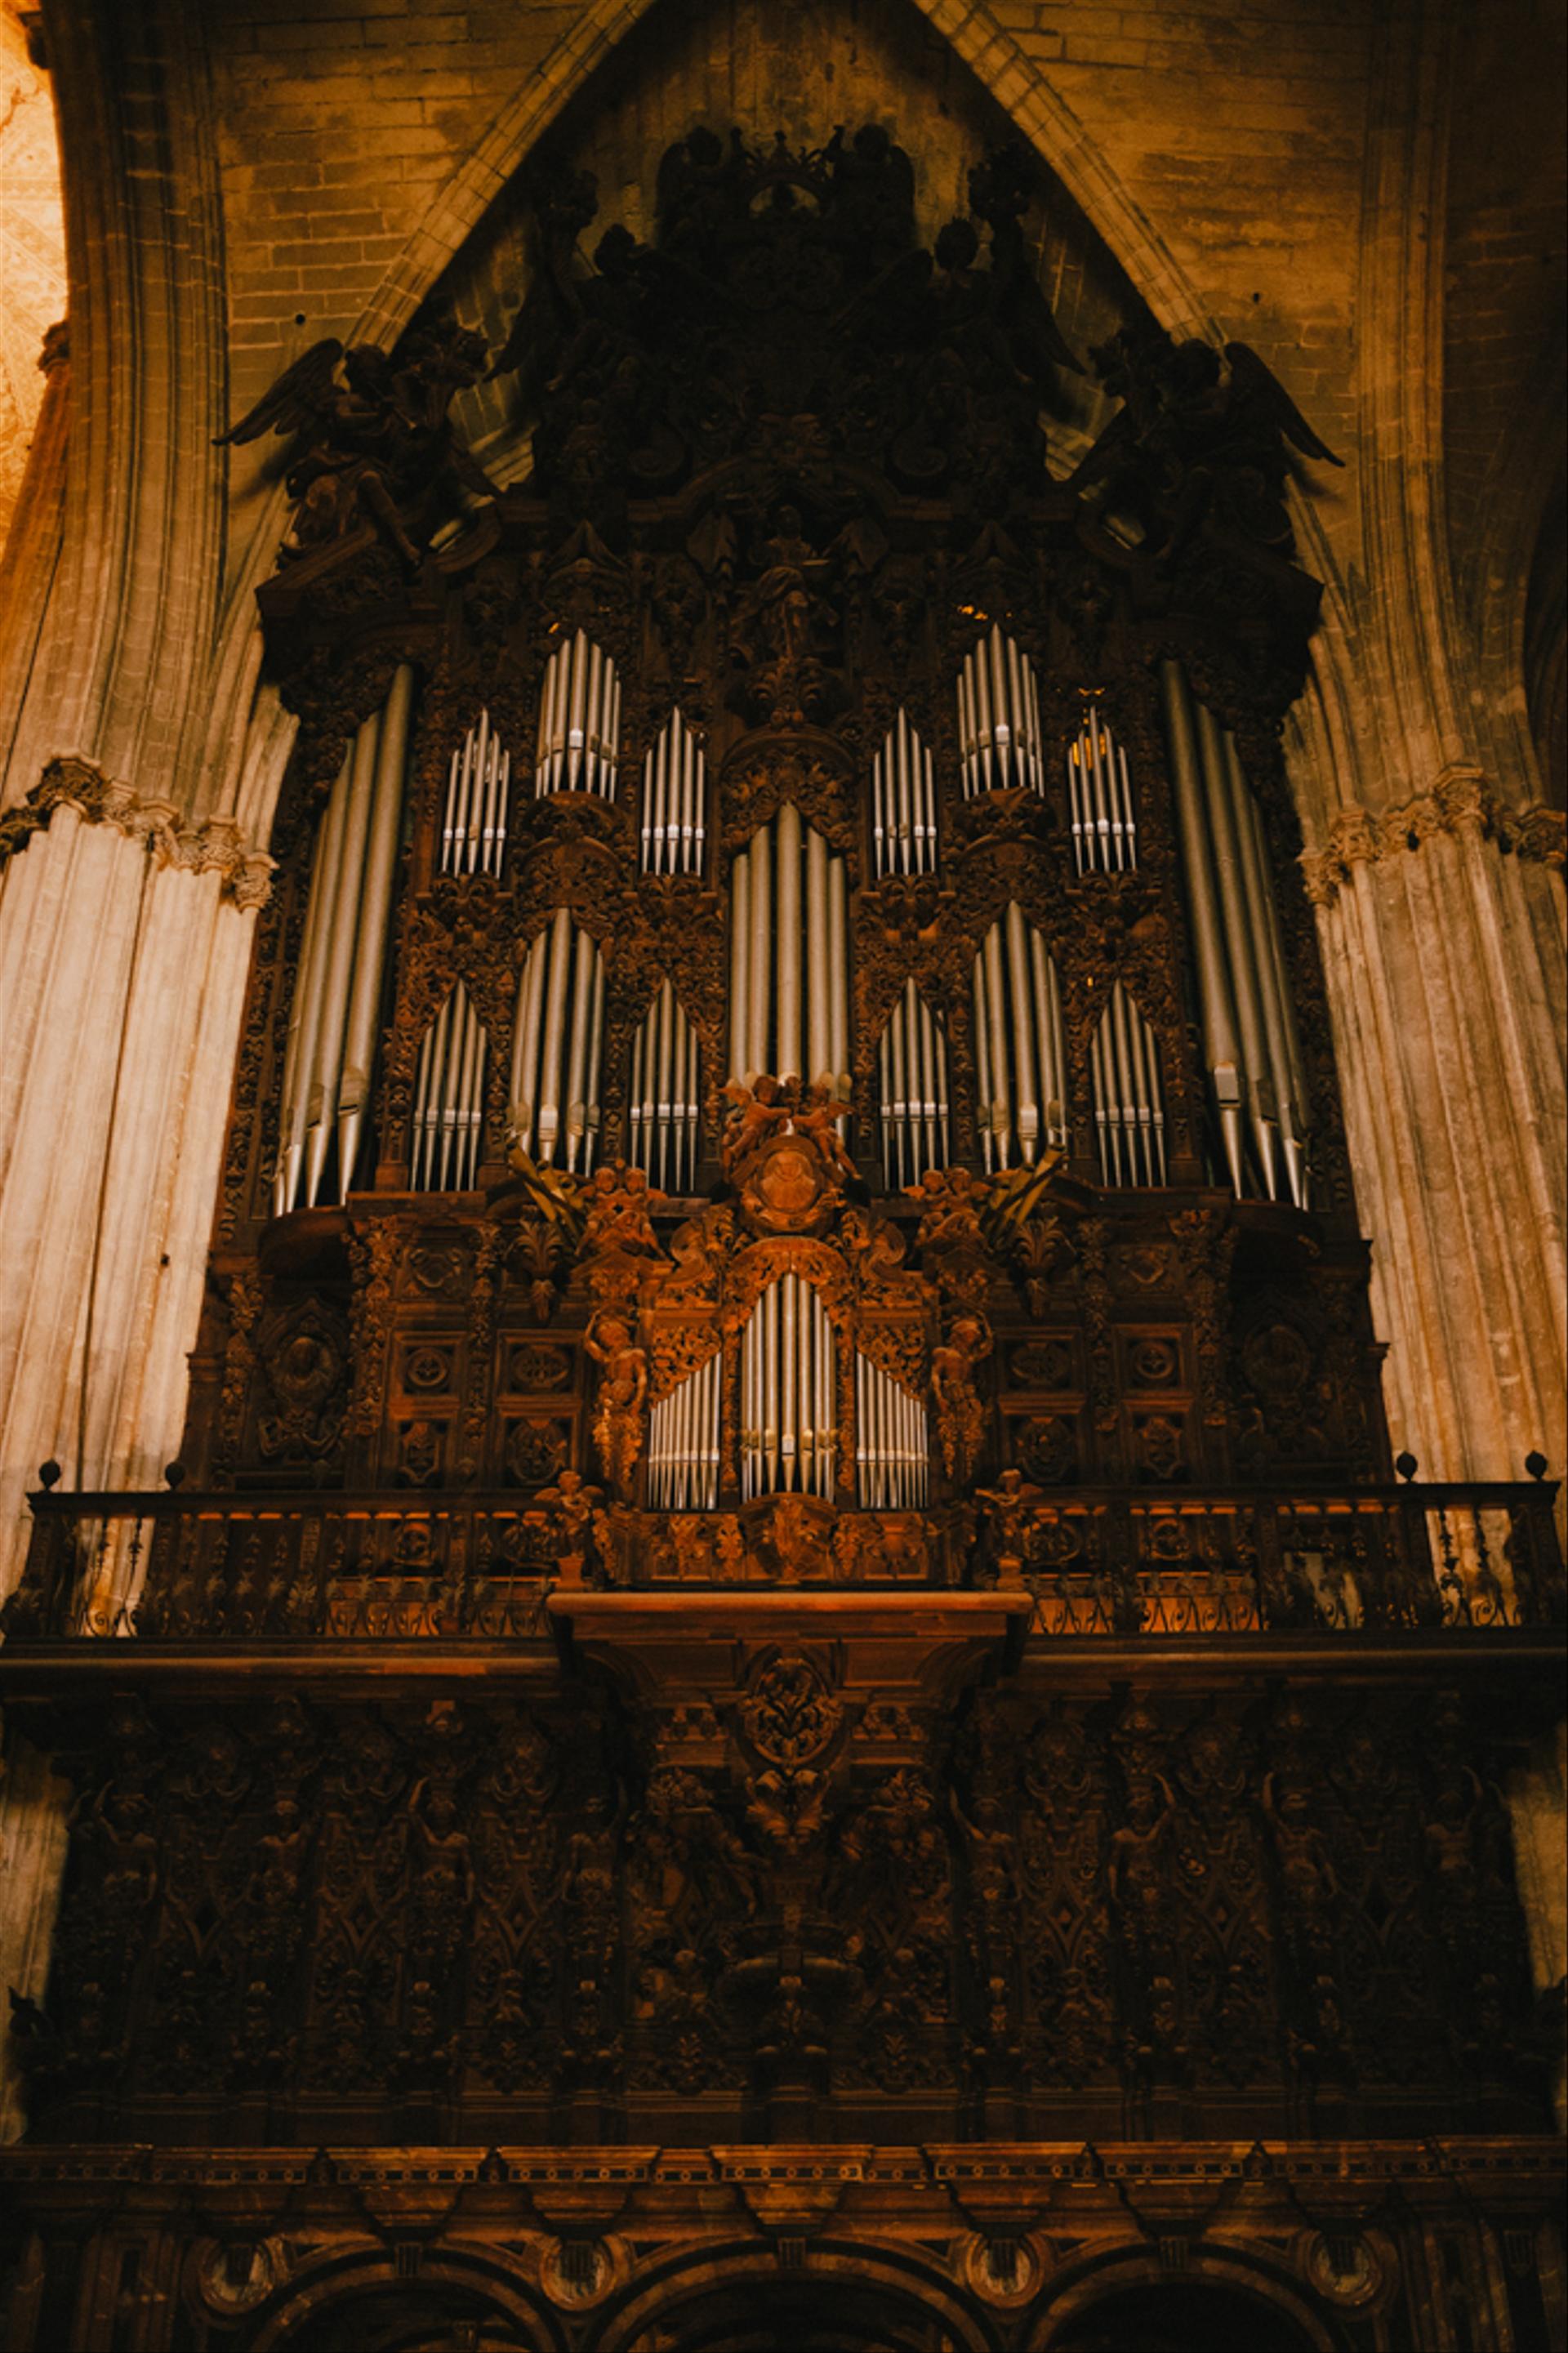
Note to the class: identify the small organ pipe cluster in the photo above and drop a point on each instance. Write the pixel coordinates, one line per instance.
(911, 1074)
(1250, 1040)
(789, 958)
(579, 721)
(557, 1048)
(665, 1106)
(674, 802)
(892, 1447)
(1019, 1054)
(1129, 1103)
(1104, 833)
(903, 804)
(683, 1459)
(789, 1394)
(336, 1013)
(449, 1099)
(999, 717)
(473, 833)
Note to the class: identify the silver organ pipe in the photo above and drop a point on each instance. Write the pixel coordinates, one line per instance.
(788, 1394)
(335, 1017)
(579, 721)
(1250, 1040)
(892, 1449)
(473, 829)
(998, 718)
(1129, 1099)
(675, 803)
(449, 1099)
(903, 804)
(556, 1048)
(664, 1106)
(789, 958)
(1019, 1049)
(911, 1090)
(683, 1443)
(1104, 831)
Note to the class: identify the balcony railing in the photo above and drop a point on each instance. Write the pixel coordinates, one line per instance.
(179, 1568)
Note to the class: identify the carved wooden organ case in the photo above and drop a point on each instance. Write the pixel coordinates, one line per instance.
(787, 993)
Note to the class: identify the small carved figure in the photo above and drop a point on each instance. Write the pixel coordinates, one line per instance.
(960, 1416)
(621, 1406)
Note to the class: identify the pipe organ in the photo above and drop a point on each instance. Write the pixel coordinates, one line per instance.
(449, 1098)
(557, 1047)
(903, 804)
(1104, 832)
(335, 1017)
(789, 958)
(674, 802)
(1020, 1057)
(998, 718)
(665, 1106)
(911, 1090)
(892, 1449)
(479, 788)
(1250, 1044)
(579, 721)
(683, 1443)
(789, 1394)
(1129, 1104)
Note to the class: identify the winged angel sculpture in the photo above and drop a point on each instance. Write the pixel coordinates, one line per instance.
(1195, 443)
(376, 444)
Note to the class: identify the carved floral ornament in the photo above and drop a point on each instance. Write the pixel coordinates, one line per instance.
(1461, 803)
(215, 846)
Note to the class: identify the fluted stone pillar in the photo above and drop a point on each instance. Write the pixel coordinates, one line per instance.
(30, 552)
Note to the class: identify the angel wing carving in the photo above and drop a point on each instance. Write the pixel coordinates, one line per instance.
(300, 398)
(1254, 382)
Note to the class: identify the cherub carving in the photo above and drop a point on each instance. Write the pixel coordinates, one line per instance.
(960, 1417)
(621, 1406)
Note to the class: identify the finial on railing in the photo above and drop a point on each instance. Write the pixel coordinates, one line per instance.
(1536, 1464)
(173, 1475)
(48, 1475)
(1406, 1465)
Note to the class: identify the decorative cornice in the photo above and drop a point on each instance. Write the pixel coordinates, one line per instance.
(216, 845)
(1460, 802)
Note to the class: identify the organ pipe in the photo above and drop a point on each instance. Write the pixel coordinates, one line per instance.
(683, 1444)
(903, 804)
(892, 1453)
(998, 718)
(1250, 1040)
(674, 803)
(556, 1048)
(789, 958)
(473, 831)
(911, 1075)
(335, 1016)
(579, 721)
(1128, 1099)
(788, 1394)
(664, 1100)
(1020, 1055)
(448, 1099)
(1104, 834)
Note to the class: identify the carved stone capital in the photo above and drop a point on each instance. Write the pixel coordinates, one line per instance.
(1462, 802)
(215, 845)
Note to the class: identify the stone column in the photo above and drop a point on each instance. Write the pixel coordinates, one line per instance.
(32, 546)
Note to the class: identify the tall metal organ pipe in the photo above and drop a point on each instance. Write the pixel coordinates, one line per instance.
(892, 1447)
(473, 830)
(683, 1443)
(664, 1103)
(1104, 831)
(998, 718)
(556, 1048)
(449, 1099)
(911, 1090)
(579, 721)
(1019, 1051)
(789, 958)
(1129, 1098)
(789, 1396)
(903, 804)
(674, 802)
(1250, 1040)
(335, 1016)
